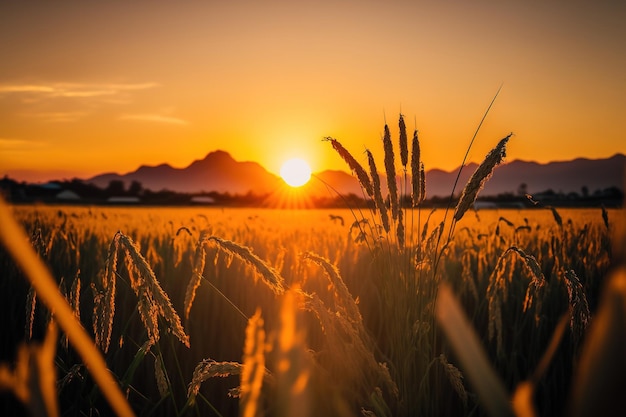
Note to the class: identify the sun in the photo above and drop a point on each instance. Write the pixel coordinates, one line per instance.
(296, 172)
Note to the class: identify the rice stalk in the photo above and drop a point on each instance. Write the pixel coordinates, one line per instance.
(268, 275)
(74, 296)
(455, 377)
(153, 301)
(348, 354)
(537, 282)
(378, 196)
(390, 170)
(598, 387)
(479, 177)
(160, 377)
(422, 195)
(199, 260)
(404, 148)
(416, 170)
(208, 368)
(104, 304)
(364, 180)
(343, 298)
(580, 315)
(400, 230)
(31, 304)
(557, 216)
(605, 217)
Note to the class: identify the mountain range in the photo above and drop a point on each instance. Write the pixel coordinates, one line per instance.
(219, 172)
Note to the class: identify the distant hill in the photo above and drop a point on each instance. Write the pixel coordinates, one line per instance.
(218, 171)
(564, 177)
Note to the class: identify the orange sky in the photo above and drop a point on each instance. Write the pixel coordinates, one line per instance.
(91, 87)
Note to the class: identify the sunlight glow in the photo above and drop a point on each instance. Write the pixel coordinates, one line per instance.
(295, 172)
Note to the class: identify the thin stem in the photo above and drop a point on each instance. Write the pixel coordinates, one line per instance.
(456, 181)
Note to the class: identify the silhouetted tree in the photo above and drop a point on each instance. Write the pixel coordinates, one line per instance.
(135, 188)
(115, 187)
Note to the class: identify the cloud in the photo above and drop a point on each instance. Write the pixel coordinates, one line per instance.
(156, 118)
(13, 144)
(59, 117)
(73, 90)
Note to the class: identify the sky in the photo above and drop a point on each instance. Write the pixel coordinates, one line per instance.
(93, 87)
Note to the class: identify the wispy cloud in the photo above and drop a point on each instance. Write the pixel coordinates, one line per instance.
(14, 144)
(156, 118)
(73, 90)
(59, 117)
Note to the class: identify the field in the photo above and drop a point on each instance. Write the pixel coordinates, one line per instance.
(313, 312)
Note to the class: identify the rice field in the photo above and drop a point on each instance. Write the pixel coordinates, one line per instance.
(391, 310)
(364, 335)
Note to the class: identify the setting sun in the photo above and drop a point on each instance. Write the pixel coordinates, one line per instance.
(295, 172)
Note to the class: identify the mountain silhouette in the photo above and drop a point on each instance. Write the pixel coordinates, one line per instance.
(219, 172)
(561, 177)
